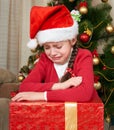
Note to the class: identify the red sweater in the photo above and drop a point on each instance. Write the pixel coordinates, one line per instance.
(44, 75)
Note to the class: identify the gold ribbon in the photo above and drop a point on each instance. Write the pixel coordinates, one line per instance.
(71, 116)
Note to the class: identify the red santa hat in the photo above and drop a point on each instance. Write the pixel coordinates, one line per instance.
(51, 24)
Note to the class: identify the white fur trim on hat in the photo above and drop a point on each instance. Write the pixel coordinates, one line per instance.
(32, 44)
(57, 34)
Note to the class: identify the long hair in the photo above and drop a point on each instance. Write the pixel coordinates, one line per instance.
(68, 75)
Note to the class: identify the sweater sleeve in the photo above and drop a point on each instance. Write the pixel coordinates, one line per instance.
(83, 67)
(35, 80)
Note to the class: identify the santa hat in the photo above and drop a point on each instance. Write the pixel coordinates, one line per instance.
(51, 24)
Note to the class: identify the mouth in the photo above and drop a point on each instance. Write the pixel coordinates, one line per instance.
(55, 58)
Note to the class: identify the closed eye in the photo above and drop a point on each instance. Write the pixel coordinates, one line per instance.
(58, 47)
(46, 47)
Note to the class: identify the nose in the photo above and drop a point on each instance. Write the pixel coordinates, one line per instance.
(52, 52)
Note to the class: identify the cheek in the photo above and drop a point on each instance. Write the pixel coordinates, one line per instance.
(65, 54)
(66, 50)
(47, 52)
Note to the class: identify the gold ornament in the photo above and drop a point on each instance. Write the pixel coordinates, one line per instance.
(88, 32)
(112, 49)
(109, 28)
(97, 85)
(104, 0)
(83, 10)
(108, 119)
(95, 60)
(21, 78)
(71, 0)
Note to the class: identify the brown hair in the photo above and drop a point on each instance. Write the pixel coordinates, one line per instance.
(68, 75)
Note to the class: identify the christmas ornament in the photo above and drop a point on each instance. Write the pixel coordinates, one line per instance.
(84, 37)
(83, 10)
(97, 85)
(104, 0)
(95, 53)
(108, 119)
(96, 78)
(88, 31)
(104, 68)
(76, 15)
(95, 60)
(71, 0)
(83, 7)
(96, 82)
(83, 4)
(95, 57)
(21, 77)
(109, 28)
(112, 49)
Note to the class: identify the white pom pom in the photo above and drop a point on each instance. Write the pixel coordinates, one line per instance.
(32, 44)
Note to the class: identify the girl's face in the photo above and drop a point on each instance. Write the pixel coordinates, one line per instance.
(59, 52)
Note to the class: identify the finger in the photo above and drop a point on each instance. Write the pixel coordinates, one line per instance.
(79, 77)
(16, 97)
(21, 99)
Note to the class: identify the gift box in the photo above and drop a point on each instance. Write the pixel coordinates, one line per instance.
(57, 115)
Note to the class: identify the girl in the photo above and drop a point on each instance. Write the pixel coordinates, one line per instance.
(64, 72)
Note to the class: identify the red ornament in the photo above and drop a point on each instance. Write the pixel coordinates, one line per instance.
(104, 68)
(95, 53)
(96, 78)
(84, 37)
(83, 4)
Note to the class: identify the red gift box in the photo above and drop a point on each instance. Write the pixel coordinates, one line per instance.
(57, 115)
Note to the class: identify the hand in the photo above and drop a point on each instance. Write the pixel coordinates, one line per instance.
(30, 96)
(74, 81)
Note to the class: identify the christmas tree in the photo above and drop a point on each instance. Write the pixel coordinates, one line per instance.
(95, 31)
